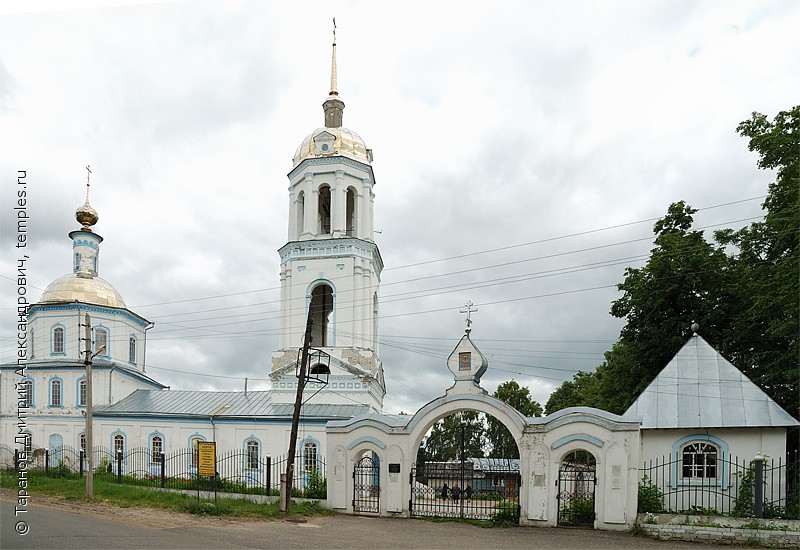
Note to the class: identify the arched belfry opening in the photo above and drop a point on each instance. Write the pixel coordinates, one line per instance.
(324, 211)
(321, 309)
(351, 214)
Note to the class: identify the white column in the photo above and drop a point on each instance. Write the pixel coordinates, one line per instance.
(292, 231)
(286, 282)
(356, 308)
(339, 206)
(311, 208)
(365, 210)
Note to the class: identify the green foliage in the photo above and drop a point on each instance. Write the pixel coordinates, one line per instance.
(500, 439)
(651, 498)
(579, 512)
(507, 515)
(317, 486)
(444, 441)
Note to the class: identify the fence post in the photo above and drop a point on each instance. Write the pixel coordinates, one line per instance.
(119, 466)
(269, 475)
(82, 456)
(759, 486)
(161, 458)
(47, 461)
(16, 459)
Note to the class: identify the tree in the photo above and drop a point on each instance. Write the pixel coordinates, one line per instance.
(765, 342)
(580, 392)
(519, 397)
(444, 441)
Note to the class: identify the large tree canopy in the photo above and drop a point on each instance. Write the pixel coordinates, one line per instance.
(745, 301)
(500, 439)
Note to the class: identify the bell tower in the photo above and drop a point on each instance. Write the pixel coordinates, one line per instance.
(331, 265)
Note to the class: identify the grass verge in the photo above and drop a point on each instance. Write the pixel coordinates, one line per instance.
(72, 487)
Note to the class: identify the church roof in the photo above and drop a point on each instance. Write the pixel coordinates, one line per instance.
(77, 287)
(220, 404)
(701, 389)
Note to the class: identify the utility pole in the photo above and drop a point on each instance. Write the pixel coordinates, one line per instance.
(88, 362)
(286, 484)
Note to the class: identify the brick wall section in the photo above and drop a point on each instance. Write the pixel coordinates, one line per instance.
(724, 535)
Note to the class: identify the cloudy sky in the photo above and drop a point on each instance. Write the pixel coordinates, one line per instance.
(523, 151)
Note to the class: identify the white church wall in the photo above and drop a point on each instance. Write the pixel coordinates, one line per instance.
(744, 443)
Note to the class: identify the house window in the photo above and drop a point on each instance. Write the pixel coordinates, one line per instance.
(58, 340)
(101, 341)
(193, 446)
(119, 445)
(309, 456)
(132, 350)
(156, 446)
(82, 393)
(699, 461)
(55, 393)
(251, 454)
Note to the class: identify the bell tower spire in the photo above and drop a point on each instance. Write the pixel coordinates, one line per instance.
(333, 106)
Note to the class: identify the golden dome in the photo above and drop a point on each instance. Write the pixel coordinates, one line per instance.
(346, 143)
(78, 287)
(86, 215)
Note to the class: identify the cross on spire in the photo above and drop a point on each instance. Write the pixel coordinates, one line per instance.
(468, 309)
(88, 173)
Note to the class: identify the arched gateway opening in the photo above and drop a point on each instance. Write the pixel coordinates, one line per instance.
(467, 466)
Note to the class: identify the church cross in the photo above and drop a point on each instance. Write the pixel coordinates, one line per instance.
(468, 309)
(88, 173)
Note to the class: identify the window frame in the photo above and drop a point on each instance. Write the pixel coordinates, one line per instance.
(252, 459)
(54, 383)
(722, 458)
(58, 338)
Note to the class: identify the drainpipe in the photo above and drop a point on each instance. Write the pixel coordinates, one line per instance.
(144, 351)
(110, 375)
(213, 428)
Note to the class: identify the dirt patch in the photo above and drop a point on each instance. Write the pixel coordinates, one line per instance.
(152, 518)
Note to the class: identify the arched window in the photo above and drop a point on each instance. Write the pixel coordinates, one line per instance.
(82, 392)
(321, 309)
(132, 349)
(193, 447)
(101, 341)
(82, 442)
(156, 446)
(55, 392)
(25, 393)
(119, 445)
(58, 340)
(251, 454)
(310, 461)
(699, 461)
(324, 211)
(351, 214)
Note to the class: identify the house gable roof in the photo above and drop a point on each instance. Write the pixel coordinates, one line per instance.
(701, 389)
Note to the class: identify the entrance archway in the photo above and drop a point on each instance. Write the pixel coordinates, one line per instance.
(366, 485)
(577, 480)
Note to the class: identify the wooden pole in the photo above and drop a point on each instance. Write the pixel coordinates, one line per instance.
(89, 440)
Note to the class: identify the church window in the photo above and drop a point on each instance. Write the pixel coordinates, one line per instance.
(351, 213)
(82, 392)
(94, 264)
(82, 442)
(132, 349)
(321, 309)
(25, 393)
(77, 261)
(194, 443)
(310, 456)
(156, 446)
(699, 461)
(324, 211)
(55, 393)
(58, 340)
(119, 445)
(101, 341)
(251, 454)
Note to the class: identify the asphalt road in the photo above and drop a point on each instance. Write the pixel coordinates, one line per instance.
(76, 525)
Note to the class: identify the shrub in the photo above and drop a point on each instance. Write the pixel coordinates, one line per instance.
(651, 499)
(317, 486)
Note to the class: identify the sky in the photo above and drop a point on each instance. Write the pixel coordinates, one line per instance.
(522, 153)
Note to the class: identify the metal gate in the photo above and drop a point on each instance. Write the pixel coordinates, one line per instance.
(577, 480)
(465, 487)
(366, 486)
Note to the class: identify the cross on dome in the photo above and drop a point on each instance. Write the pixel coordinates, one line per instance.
(468, 309)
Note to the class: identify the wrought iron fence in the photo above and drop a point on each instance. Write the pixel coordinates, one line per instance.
(237, 470)
(726, 485)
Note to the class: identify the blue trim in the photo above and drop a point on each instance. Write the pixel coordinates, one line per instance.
(576, 437)
(366, 439)
(251, 437)
(114, 449)
(55, 444)
(315, 441)
(82, 307)
(30, 393)
(53, 337)
(60, 381)
(195, 435)
(150, 444)
(78, 392)
(722, 461)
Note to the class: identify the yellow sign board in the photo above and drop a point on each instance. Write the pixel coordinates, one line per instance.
(206, 458)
